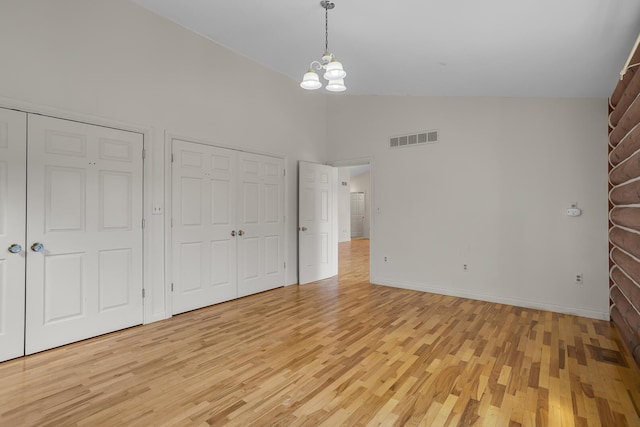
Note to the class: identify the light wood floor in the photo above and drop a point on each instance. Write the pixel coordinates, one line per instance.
(339, 352)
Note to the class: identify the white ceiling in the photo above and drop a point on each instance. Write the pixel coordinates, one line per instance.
(528, 48)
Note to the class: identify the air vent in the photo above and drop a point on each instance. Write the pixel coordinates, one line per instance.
(415, 139)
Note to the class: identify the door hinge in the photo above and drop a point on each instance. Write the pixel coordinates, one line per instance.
(143, 224)
(285, 172)
(285, 264)
(171, 157)
(172, 287)
(144, 154)
(143, 293)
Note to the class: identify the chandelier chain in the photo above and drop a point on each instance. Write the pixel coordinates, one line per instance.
(326, 27)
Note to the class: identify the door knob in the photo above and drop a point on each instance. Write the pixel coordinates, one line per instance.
(233, 233)
(37, 247)
(302, 229)
(15, 248)
(240, 233)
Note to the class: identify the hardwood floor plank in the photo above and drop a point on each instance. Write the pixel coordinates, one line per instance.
(337, 351)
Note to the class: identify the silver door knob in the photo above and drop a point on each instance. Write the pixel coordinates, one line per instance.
(15, 248)
(240, 233)
(233, 233)
(302, 228)
(37, 247)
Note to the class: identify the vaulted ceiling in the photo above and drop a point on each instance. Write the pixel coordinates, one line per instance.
(524, 48)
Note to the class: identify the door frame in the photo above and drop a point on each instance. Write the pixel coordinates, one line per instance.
(168, 203)
(372, 219)
(147, 144)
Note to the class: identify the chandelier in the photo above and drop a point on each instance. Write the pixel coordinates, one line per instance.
(333, 71)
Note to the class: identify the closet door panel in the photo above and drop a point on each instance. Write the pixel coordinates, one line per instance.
(13, 150)
(203, 195)
(261, 219)
(84, 263)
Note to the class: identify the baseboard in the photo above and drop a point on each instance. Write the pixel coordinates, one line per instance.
(155, 317)
(539, 305)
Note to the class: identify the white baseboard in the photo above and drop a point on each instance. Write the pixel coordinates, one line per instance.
(155, 317)
(539, 305)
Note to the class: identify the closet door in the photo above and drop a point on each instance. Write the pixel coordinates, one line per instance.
(204, 225)
(260, 224)
(228, 224)
(84, 198)
(13, 149)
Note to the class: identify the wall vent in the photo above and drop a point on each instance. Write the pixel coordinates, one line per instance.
(425, 137)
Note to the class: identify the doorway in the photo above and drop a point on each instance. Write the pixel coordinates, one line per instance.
(324, 200)
(354, 222)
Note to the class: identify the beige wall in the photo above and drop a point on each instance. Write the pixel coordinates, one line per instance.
(491, 194)
(115, 61)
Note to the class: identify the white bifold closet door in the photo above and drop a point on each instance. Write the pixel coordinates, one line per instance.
(82, 250)
(84, 206)
(13, 162)
(204, 225)
(260, 223)
(227, 224)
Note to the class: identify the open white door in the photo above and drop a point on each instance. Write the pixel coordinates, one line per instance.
(13, 191)
(317, 217)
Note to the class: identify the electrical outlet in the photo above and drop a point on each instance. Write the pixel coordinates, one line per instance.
(465, 267)
(385, 259)
(579, 279)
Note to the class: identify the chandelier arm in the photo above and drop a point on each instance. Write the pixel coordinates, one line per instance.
(316, 64)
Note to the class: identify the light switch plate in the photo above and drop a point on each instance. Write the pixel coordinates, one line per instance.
(574, 212)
